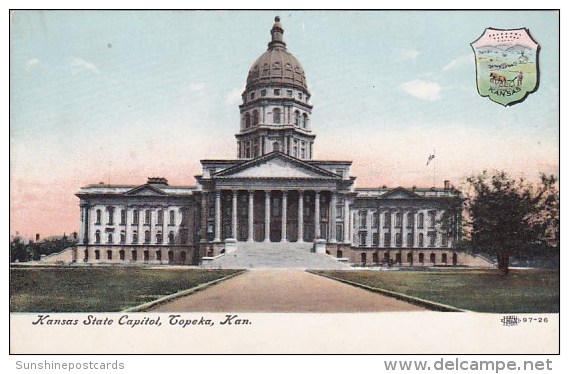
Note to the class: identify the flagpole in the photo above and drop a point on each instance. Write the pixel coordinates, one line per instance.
(434, 169)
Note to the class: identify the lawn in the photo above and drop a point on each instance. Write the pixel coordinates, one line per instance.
(98, 289)
(522, 291)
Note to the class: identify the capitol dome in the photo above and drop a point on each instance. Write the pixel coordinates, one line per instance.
(276, 65)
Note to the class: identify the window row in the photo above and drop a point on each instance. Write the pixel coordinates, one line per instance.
(431, 237)
(136, 216)
(299, 120)
(147, 237)
(134, 255)
(409, 218)
(277, 92)
(387, 258)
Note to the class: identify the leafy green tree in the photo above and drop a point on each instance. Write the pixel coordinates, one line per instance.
(512, 217)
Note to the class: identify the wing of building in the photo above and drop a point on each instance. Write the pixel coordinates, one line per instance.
(274, 192)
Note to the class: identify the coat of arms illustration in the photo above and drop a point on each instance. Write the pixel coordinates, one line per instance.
(506, 65)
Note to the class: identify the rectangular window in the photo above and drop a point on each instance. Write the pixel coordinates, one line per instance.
(147, 217)
(387, 239)
(362, 235)
(375, 239)
(111, 216)
(123, 217)
(289, 93)
(363, 218)
(375, 220)
(410, 220)
(300, 96)
(387, 221)
(398, 220)
(420, 220)
(339, 212)
(160, 217)
(432, 238)
(135, 217)
(252, 95)
(432, 219)
(263, 93)
(277, 92)
(339, 232)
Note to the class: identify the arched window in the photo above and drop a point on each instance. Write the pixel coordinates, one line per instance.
(146, 256)
(444, 258)
(420, 220)
(123, 237)
(135, 217)
(97, 236)
(172, 217)
(159, 237)
(121, 255)
(247, 120)
(158, 255)
(170, 256)
(147, 236)
(276, 115)
(110, 238)
(305, 120)
(363, 257)
(183, 256)
(97, 254)
(109, 255)
(171, 237)
(432, 258)
(296, 118)
(398, 219)
(421, 257)
(398, 239)
(133, 255)
(147, 217)
(255, 117)
(410, 257)
(421, 240)
(110, 215)
(135, 237)
(160, 217)
(409, 240)
(98, 220)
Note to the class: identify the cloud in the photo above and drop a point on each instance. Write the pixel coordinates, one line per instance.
(423, 90)
(80, 63)
(31, 63)
(196, 87)
(234, 96)
(459, 62)
(410, 54)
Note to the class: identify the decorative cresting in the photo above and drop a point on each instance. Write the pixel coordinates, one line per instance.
(275, 113)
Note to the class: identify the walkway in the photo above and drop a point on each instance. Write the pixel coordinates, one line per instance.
(284, 291)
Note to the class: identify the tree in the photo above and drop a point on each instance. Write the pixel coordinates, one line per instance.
(18, 250)
(509, 216)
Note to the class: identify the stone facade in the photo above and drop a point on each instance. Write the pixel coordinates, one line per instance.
(273, 192)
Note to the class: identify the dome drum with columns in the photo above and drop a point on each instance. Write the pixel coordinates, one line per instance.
(275, 113)
(274, 196)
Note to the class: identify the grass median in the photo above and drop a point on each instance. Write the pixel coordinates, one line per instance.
(99, 289)
(521, 291)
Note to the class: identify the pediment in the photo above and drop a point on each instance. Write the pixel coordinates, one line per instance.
(400, 193)
(276, 165)
(145, 190)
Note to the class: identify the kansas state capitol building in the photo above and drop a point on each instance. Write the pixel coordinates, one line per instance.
(273, 195)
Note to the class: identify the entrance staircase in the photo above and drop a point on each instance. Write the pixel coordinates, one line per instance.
(275, 256)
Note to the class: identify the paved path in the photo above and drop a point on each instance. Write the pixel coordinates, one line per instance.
(284, 291)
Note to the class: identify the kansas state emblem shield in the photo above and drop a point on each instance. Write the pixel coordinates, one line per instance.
(506, 65)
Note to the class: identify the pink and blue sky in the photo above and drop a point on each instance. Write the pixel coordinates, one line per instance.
(124, 95)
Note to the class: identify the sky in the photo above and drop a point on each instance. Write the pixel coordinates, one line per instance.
(120, 96)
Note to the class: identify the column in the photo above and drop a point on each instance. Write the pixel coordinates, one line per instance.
(346, 220)
(300, 217)
(234, 215)
(250, 217)
(317, 215)
(217, 216)
(333, 218)
(267, 216)
(203, 218)
(284, 218)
